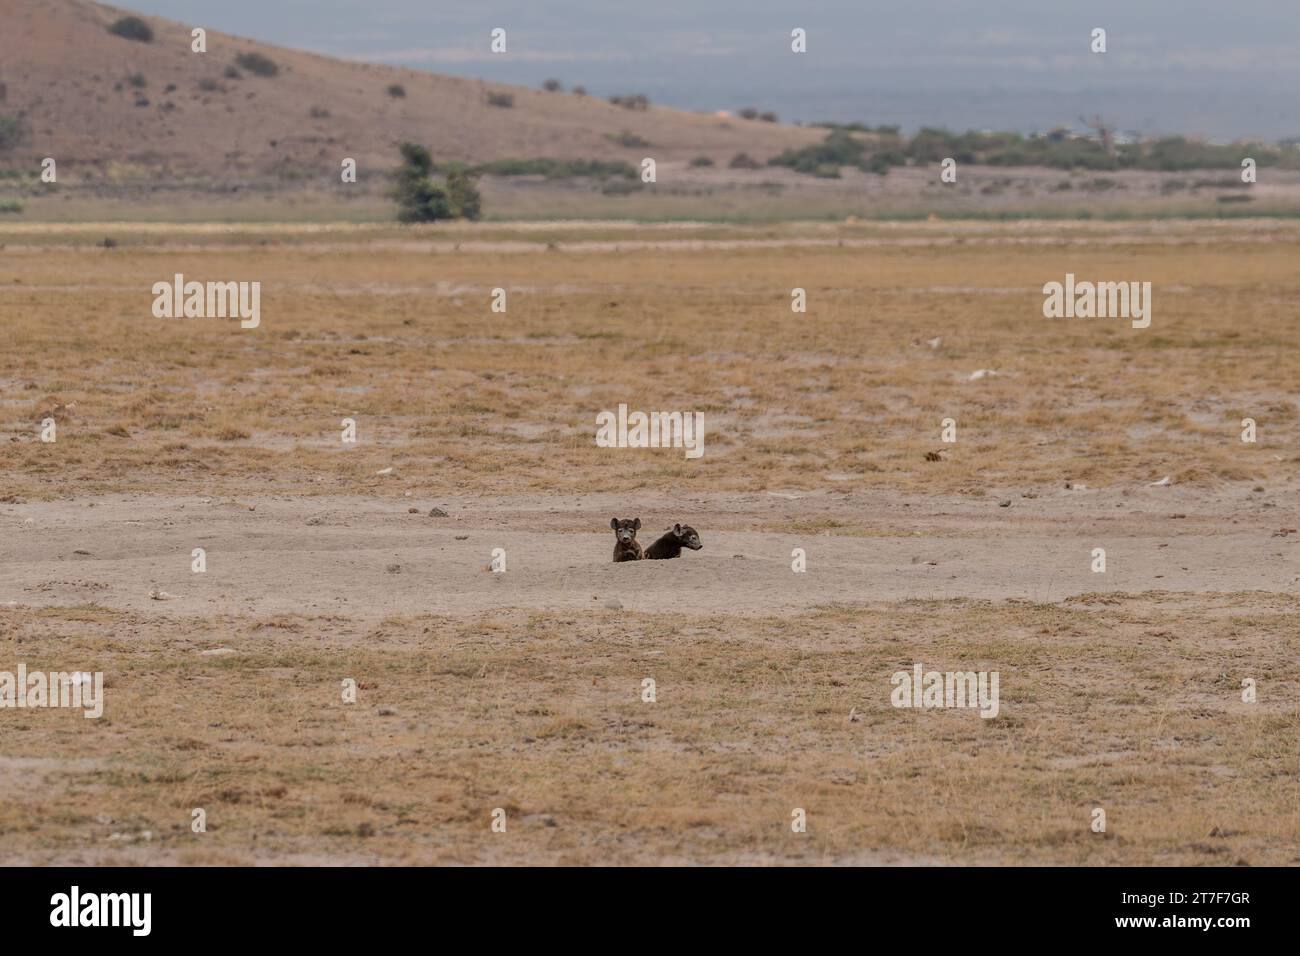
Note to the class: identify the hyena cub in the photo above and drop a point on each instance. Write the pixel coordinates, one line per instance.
(626, 547)
(671, 544)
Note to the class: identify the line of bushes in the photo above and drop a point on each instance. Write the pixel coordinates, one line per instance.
(556, 168)
(825, 159)
(885, 148)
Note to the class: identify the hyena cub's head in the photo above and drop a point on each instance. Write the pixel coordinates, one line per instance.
(687, 536)
(625, 529)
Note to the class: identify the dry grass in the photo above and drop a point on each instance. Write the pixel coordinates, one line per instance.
(848, 395)
(541, 715)
(1128, 702)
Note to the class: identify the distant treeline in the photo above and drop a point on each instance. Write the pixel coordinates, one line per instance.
(884, 148)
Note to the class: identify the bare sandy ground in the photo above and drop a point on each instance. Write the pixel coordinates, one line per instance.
(614, 236)
(370, 558)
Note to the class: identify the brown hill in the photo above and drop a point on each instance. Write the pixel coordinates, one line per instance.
(110, 107)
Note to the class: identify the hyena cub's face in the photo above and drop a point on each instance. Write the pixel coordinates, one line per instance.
(687, 536)
(625, 528)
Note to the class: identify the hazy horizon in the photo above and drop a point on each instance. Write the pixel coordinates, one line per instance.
(1193, 67)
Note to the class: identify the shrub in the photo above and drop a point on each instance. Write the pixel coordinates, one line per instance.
(769, 117)
(11, 205)
(257, 64)
(504, 100)
(132, 28)
(209, 85)
(137, 81)
(231, 73)
(880, 162)
(421, 200)
(747, 112)
(416, 159)
(463, 195)
(397, 91)
(579, 91)
(630, 140)
(636, 101)
(318, 112)
(11, 132)
(744, 161)
(552, 86)
(701, 161)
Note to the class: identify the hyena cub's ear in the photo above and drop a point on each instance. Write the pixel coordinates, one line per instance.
(677, 529)
(613, 523)
(636, 524)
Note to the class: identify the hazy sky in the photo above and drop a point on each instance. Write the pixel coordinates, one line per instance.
(1221, 68)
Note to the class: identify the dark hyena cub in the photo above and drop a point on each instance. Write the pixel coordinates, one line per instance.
(671, 544)
(625, 543)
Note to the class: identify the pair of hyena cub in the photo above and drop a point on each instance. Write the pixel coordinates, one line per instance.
(670, 545)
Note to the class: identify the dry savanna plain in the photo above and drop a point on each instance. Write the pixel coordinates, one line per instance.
(523, 690)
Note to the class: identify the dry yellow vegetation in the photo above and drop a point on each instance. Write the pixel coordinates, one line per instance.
(393, 328)
(523, 691)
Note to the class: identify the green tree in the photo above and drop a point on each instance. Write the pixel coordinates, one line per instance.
(466, 202)
(420, 199)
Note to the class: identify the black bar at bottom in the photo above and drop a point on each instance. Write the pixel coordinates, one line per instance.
(334, 906)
